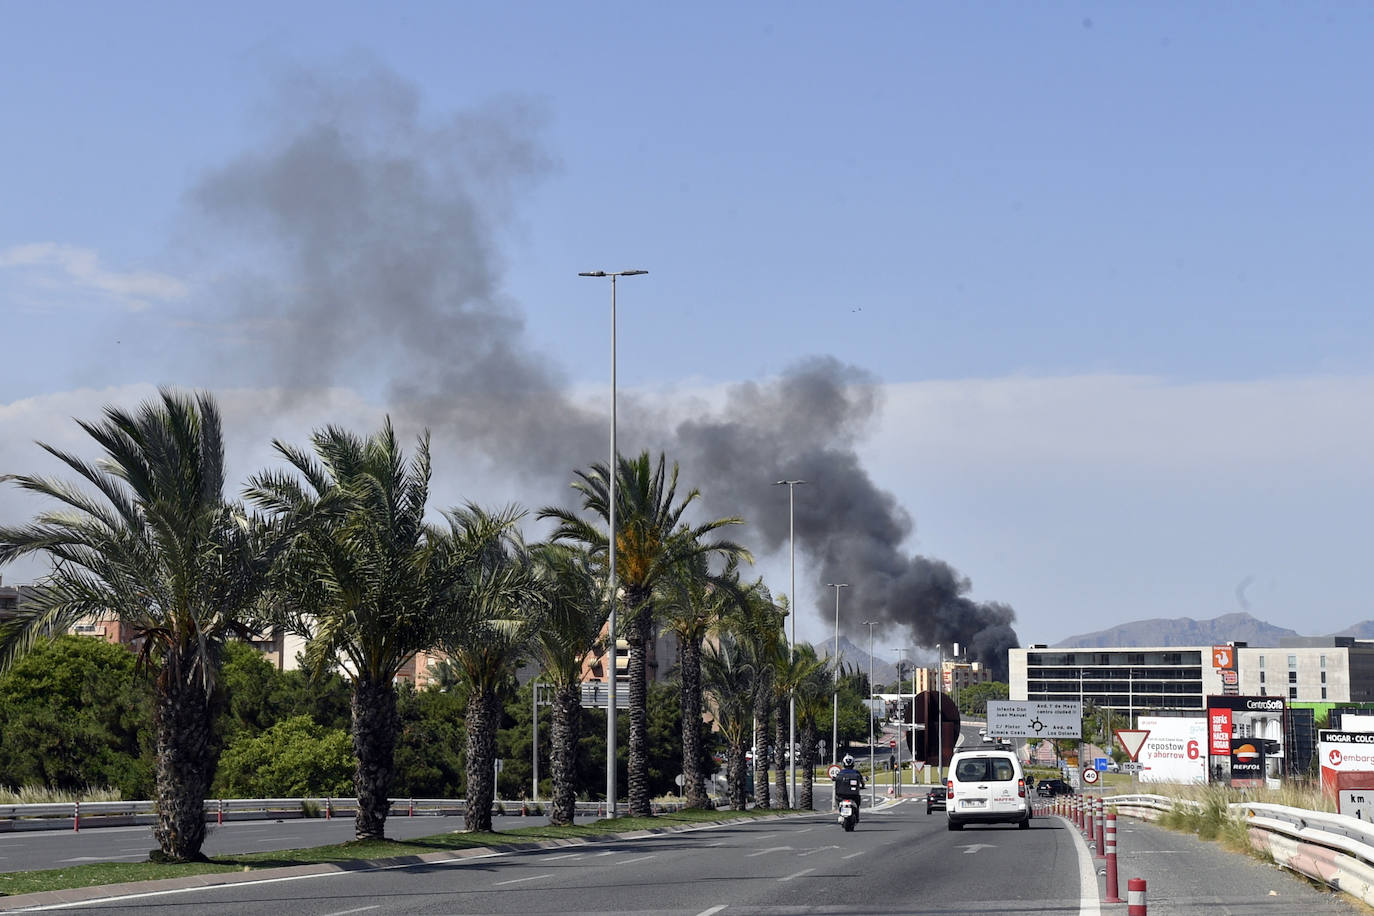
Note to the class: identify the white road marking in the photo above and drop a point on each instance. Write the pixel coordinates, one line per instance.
(816, 850)
(768, 850)
(807, 871)
(136, 855)
(639, 859)
(806, 829)
(522, 880)
(1087, 877)
(608, 852)
(570, 855)
(971, 848)
(765, 836)
(851, 855)
(359, 909)
(713, 910)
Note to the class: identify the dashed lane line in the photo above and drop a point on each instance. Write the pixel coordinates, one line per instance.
(804, 871)
(521, 880)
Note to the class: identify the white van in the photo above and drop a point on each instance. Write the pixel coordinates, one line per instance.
(986, 785)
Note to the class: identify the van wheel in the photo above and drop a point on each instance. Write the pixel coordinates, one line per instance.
(1024, 825)
(955, 825)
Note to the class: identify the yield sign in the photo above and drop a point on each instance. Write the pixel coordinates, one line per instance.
(1132, 739)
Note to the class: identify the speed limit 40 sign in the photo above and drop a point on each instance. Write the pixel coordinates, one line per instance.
(1090, 775)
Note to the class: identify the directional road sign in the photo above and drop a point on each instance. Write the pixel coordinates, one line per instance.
(1035, 719)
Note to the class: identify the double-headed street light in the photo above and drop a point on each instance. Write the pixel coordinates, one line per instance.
(835, 659)
(792, 640)
(610, 549)
(901, 719)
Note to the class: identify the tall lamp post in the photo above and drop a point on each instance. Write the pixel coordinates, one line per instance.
(792, 640)
(901, 720)
(613, 471)
(835, 659)
(872, 769)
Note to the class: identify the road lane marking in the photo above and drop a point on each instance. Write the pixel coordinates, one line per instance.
(765, 836)
(713, 910)
(768, 850)
(136, 855)
(851, 855)
(806, 829)
(971, 848)
(816, 850)
(522, 880)
(639, 859)
(608, 852)
(1088, 904)
(356, 909)
(569, 855)
(804, 871)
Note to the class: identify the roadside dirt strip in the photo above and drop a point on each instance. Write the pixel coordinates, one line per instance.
(100, 892)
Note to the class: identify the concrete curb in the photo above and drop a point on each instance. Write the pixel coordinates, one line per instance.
(104, 891)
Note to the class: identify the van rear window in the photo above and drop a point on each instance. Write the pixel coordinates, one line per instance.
(984, 769)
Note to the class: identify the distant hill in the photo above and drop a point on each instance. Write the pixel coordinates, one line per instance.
(1185, 631)
(851, 656)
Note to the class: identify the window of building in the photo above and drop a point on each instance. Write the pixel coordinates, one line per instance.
(1292, 661)
(1261, 678)
(1292, 677)
(1264, 691)
(1323, 677)
(1261, 662)
(1292, 693)
(1323, 659)
(1323, 693)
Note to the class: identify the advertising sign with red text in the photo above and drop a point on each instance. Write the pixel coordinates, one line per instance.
(1175, 751)
(1219, 731)
(1343, 754)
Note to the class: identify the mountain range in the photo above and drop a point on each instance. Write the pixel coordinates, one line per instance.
(1185, 631)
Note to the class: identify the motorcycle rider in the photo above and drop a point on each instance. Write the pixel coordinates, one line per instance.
(849, 783)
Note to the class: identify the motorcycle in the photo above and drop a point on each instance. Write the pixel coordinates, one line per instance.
(849, 814)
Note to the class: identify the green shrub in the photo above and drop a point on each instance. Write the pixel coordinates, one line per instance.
(293, 758)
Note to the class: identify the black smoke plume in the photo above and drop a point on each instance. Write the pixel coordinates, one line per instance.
(364, 243)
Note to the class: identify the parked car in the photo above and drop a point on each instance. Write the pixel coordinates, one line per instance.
(1048, 788)
(986, 786)
(935, 799)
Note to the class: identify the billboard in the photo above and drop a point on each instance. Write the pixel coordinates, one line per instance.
(1255, 723)
(1347, 763)
(1175, 750)
(1035, 719)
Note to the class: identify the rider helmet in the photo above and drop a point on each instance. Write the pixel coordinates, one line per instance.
(848, 760)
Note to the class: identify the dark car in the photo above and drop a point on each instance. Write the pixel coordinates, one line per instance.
(935, 799)
(1048, 788)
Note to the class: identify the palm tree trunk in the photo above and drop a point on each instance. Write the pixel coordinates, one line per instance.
(183, 768)
(735, 776)
(484, 708)
(567, 712)
(762, 716)
(639, 710)
(689, 666)
(808, 765)
(780, 800)
(375, 724)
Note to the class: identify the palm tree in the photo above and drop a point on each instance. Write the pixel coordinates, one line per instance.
(574, 616)
(651, 540)
(494, 612)
(727, 676)
(808, 675)
(693, 600)
(163, 551)
(757, 621)
(360, 583)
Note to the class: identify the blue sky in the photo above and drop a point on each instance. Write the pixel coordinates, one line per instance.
(1104, 264)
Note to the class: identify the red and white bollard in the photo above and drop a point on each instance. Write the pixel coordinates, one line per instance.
(1112, 886)
(328, 808)
(412, 808)
(219, 812)
(1135, 897)
(76, 816)
(1098, 827)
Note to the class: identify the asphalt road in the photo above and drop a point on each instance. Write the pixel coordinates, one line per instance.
(898, 860)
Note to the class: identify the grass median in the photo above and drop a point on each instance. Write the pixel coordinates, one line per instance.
(102, 873)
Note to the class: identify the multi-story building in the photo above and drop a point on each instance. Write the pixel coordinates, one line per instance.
(956, 676)
(1318, 669)
(1144, 679)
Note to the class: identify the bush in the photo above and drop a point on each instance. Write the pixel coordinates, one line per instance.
(293, 758)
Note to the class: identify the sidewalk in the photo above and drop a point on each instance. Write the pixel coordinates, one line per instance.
(1185, 875)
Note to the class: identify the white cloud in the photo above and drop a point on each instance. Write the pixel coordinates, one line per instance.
(55, 265)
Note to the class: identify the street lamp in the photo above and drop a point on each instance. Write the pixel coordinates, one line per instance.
(872, 770)
(792, 640)
(610, 549)
(835, 659)
(940, 716)
(901, 720)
